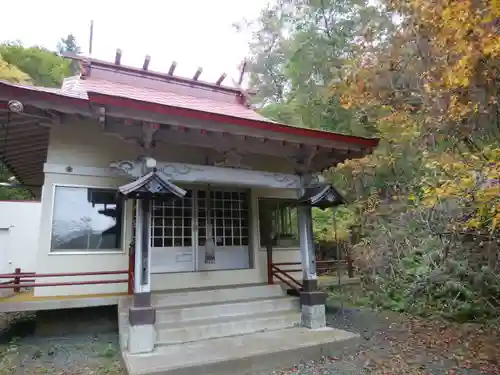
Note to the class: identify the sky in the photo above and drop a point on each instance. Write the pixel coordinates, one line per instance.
(194, 33)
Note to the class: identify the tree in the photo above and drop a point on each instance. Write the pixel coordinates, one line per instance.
(437, 88)
(11, 193)
(11, 73)
(45, 67)
(432, 94)
(68, 44)
(299, 48)
(427, 201)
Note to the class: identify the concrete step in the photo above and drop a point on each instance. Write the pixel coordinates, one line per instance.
(196, 330)
(189, 297)
(238, 309)
(235, 308)
(238, 355)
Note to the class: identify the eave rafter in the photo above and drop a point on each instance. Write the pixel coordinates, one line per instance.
(306, 157)
(24, 139)
(30, 114)
(221, 141)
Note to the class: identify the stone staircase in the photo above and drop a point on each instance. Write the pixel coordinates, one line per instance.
(198, 331)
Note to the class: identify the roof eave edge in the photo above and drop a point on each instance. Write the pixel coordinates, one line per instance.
(98, 98)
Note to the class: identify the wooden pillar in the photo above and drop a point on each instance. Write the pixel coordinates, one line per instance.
(269, 249)
(139, 227)
(142, 315)
(17, 280)
(313, 314)
(267, 235)
(307, 243)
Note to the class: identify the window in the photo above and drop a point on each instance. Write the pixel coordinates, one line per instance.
(86, 219)
(171, 222)
(279, 217)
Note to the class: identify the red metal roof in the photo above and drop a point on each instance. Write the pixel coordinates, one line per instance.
(173, 102)
(47, 92)
(172, 99)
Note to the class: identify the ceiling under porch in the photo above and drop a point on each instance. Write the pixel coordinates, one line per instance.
(24, 139)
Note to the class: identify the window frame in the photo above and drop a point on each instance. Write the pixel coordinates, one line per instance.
(123, 231)
(171, 217)
(280, 202)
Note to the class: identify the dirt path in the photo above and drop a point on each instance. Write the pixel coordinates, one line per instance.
(390, 344)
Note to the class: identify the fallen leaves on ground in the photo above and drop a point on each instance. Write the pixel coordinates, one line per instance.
(449, 348)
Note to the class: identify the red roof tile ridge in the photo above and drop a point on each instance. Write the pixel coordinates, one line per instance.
(111, 66)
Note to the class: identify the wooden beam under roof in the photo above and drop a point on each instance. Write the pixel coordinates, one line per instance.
(172, 68)
(118, 56)
(145, 65)
(197, 74)
(33, 137)
(242, 72)
(221, 78)
(27, 153)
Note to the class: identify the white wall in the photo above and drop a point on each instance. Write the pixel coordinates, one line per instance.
(281, 255)
(84, 144)
(19, 226)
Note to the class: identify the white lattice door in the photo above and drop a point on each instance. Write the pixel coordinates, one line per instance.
(225, 214)
(172, 235)
(206, 230)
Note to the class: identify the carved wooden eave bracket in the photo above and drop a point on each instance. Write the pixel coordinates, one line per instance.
(192, 173)
(153, 184)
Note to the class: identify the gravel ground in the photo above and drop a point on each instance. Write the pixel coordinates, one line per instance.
(386, 347)
(72, 355)
(24, 353)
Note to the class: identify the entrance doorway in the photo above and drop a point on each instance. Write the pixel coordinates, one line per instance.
(206, 230)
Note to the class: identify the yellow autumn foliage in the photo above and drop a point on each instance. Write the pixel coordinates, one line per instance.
(453, 47)
(12, 74)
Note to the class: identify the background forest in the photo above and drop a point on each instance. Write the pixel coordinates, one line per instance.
(423, 217)
(423, 76)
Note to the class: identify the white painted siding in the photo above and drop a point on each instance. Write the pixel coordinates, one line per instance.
(84, 144)
(19, 228)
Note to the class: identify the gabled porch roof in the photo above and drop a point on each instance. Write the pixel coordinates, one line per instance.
(185, 111)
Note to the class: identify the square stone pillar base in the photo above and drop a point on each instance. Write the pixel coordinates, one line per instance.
(141, 339)
(142, 333)
(312, 302)
(313, 316)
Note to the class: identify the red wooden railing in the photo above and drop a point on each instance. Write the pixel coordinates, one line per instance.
(131, 272)
(18, 279)
(276, 270)
(284, 275)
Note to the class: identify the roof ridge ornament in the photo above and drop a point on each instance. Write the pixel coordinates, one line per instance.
(85, 68)
(321, 195)
(152, 185)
